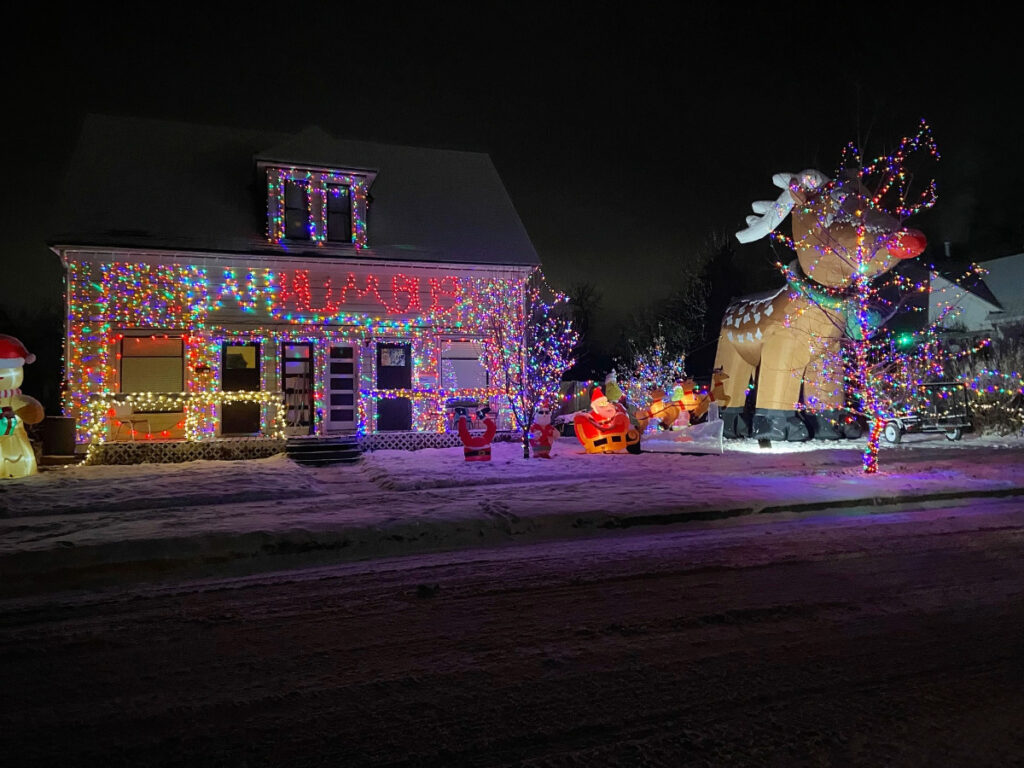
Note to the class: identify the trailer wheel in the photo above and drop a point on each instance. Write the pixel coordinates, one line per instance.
(954, 434)
(892, 432)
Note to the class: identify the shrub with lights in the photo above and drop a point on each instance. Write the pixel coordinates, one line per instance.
(529, 344)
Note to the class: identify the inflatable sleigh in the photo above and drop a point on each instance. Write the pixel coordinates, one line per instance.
(606, 427)
(670, 428)
(705, 437)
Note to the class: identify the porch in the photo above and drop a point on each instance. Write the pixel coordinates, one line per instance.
(127, 428)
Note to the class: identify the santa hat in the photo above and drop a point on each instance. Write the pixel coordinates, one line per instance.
(13, 353)
(597, 398)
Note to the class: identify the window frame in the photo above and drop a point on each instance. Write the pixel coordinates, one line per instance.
(441, 359)
(286, 209)
(328, 186)
(176, 335)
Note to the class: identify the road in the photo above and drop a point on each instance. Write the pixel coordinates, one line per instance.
(845, 639)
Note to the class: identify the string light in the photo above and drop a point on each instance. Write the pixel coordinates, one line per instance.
(99, 411)
(106, 300)
(316, 185)
(882, 373)
(529, 343)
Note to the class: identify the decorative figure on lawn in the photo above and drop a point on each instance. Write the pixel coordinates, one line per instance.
(16, 455)
(477, 447)
(664, 411)
(773, 331)
(685, 396)
(612, 390)
(715, 395)
(606, 427)
(542, 433)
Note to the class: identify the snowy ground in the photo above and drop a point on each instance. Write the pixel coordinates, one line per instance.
(398, 502)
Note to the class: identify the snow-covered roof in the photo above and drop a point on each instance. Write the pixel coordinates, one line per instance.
(141, 183)
(1005, 278)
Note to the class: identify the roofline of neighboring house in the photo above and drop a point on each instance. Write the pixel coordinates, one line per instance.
(61, 248)
(993, 302)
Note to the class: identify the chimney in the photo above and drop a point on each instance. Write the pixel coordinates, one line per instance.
(948, 246)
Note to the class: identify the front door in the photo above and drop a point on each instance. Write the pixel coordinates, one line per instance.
(341, 388)
(394, 371)
(240, 371)
(297, 379)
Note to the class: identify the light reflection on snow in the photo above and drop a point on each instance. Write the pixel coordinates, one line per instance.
(752, 446)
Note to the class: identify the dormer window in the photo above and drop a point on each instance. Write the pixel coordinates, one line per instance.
(325, 207)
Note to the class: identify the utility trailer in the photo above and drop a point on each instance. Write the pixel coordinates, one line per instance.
(946, 410)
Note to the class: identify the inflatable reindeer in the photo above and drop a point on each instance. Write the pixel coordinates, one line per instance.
(785, 334)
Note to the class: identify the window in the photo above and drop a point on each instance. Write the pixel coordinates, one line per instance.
(461, 367)
(339, 213)
(296, 211)
(152, 364)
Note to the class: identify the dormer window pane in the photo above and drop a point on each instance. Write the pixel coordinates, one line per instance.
(339, 213)
(296, 211)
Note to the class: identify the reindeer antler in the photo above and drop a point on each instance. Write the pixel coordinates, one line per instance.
(772, 213)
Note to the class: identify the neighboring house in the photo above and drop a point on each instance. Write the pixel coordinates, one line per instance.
(989, 304)
(235, 282)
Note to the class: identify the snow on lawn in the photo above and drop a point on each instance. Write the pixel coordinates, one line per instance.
(740, 475)
(80, 488)
(446, 467)
(396, 502)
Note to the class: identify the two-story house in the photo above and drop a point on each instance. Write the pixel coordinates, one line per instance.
(225, 283)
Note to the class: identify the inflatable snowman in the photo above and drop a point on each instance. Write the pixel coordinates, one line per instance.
(16, 456)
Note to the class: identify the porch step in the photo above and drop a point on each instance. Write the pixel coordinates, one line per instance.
(319, 452)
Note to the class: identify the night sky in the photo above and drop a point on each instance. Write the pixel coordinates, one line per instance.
(625, 140)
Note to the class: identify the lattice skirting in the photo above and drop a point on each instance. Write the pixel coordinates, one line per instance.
(176, 452)
(414, 441)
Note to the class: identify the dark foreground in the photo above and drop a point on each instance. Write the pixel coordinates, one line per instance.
(885, 640)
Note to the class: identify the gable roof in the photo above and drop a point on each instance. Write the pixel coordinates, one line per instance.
(962, 276)
(140, 183)
(1006, 279)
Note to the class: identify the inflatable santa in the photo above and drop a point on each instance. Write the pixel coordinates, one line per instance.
(542, 433)
(604, 428)
(16, 410)
(478, 447)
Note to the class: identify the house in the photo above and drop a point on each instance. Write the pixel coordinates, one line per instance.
(987, 304)
(239, 284)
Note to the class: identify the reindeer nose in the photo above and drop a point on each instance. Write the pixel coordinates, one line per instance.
(907, 243)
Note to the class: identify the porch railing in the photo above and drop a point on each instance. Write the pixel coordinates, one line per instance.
(434, 406)
(197, 407)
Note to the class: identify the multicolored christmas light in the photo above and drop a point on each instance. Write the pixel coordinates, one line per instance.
(317, 186)
(110, 300)
(529, 344)
(650, 367)
(884, 372)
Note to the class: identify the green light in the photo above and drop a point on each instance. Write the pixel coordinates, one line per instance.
(905, 340)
